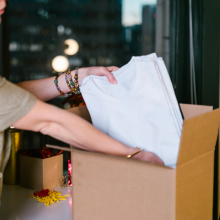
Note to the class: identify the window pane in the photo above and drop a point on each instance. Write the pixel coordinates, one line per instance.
(102, 32)
(83, 33)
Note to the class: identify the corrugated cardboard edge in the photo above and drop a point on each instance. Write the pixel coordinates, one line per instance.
(59, 147)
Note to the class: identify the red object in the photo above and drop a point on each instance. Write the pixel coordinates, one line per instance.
(75, 100)
(69, 172)
(42, 153)
(42, 193)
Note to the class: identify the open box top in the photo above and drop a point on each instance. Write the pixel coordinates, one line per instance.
(139, 188)
(199, 133)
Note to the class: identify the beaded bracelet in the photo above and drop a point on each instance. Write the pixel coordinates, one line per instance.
(57, 87)
(76, 81)
(69, 81)
(73, 85)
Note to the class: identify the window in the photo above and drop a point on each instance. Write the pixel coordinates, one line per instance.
(46, 36)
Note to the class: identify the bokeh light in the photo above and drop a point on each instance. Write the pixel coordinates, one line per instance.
(73, 47)
(60, 63)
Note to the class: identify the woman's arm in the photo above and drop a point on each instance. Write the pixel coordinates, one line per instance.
(75, 131)
(44, 89)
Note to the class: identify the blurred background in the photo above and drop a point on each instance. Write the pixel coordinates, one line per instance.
(97, 32)
(42, 37)
(47, 36)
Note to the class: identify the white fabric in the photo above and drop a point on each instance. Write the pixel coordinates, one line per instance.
(141, 110)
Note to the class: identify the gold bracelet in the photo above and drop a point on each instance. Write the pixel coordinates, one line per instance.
(138, 151)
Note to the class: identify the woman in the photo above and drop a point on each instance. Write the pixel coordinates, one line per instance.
(26, 110)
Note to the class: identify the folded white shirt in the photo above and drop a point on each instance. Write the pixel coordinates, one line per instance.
(141, 110)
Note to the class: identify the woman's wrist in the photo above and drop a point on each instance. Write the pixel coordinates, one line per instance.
(131, 151)
(141, 156)
(82, 73)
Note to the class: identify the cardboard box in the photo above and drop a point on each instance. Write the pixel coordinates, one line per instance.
(107, 187)
(36, 173)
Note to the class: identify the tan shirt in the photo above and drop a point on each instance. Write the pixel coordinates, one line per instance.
(14, 104)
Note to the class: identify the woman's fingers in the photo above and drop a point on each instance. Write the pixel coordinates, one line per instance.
(155, 159)
(149, 157)
(112, 68)
(107, 72)
(101, 71)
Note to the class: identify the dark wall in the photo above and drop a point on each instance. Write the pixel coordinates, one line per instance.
(206, 18)
(206, 30)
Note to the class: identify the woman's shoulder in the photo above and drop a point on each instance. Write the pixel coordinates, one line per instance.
(15, 102)
(2, 80)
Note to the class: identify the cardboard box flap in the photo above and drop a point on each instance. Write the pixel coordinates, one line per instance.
(59, 147)
(190, 111)
(81, 111)
(199, 136)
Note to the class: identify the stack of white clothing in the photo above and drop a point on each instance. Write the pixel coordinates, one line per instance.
(141, 110)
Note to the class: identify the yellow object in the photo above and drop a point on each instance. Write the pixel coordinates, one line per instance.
(52, 198)
(12, 174)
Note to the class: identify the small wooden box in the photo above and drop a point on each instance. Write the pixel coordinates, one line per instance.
(36, 173)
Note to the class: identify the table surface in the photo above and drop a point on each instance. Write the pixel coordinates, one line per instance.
(16, 205)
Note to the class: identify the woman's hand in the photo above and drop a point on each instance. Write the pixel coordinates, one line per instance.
(149, 157)
(97, 71)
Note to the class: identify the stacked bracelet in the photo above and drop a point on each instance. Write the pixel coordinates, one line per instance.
(76, 84)
(72, 85)
(57, 87)
(69, 81)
